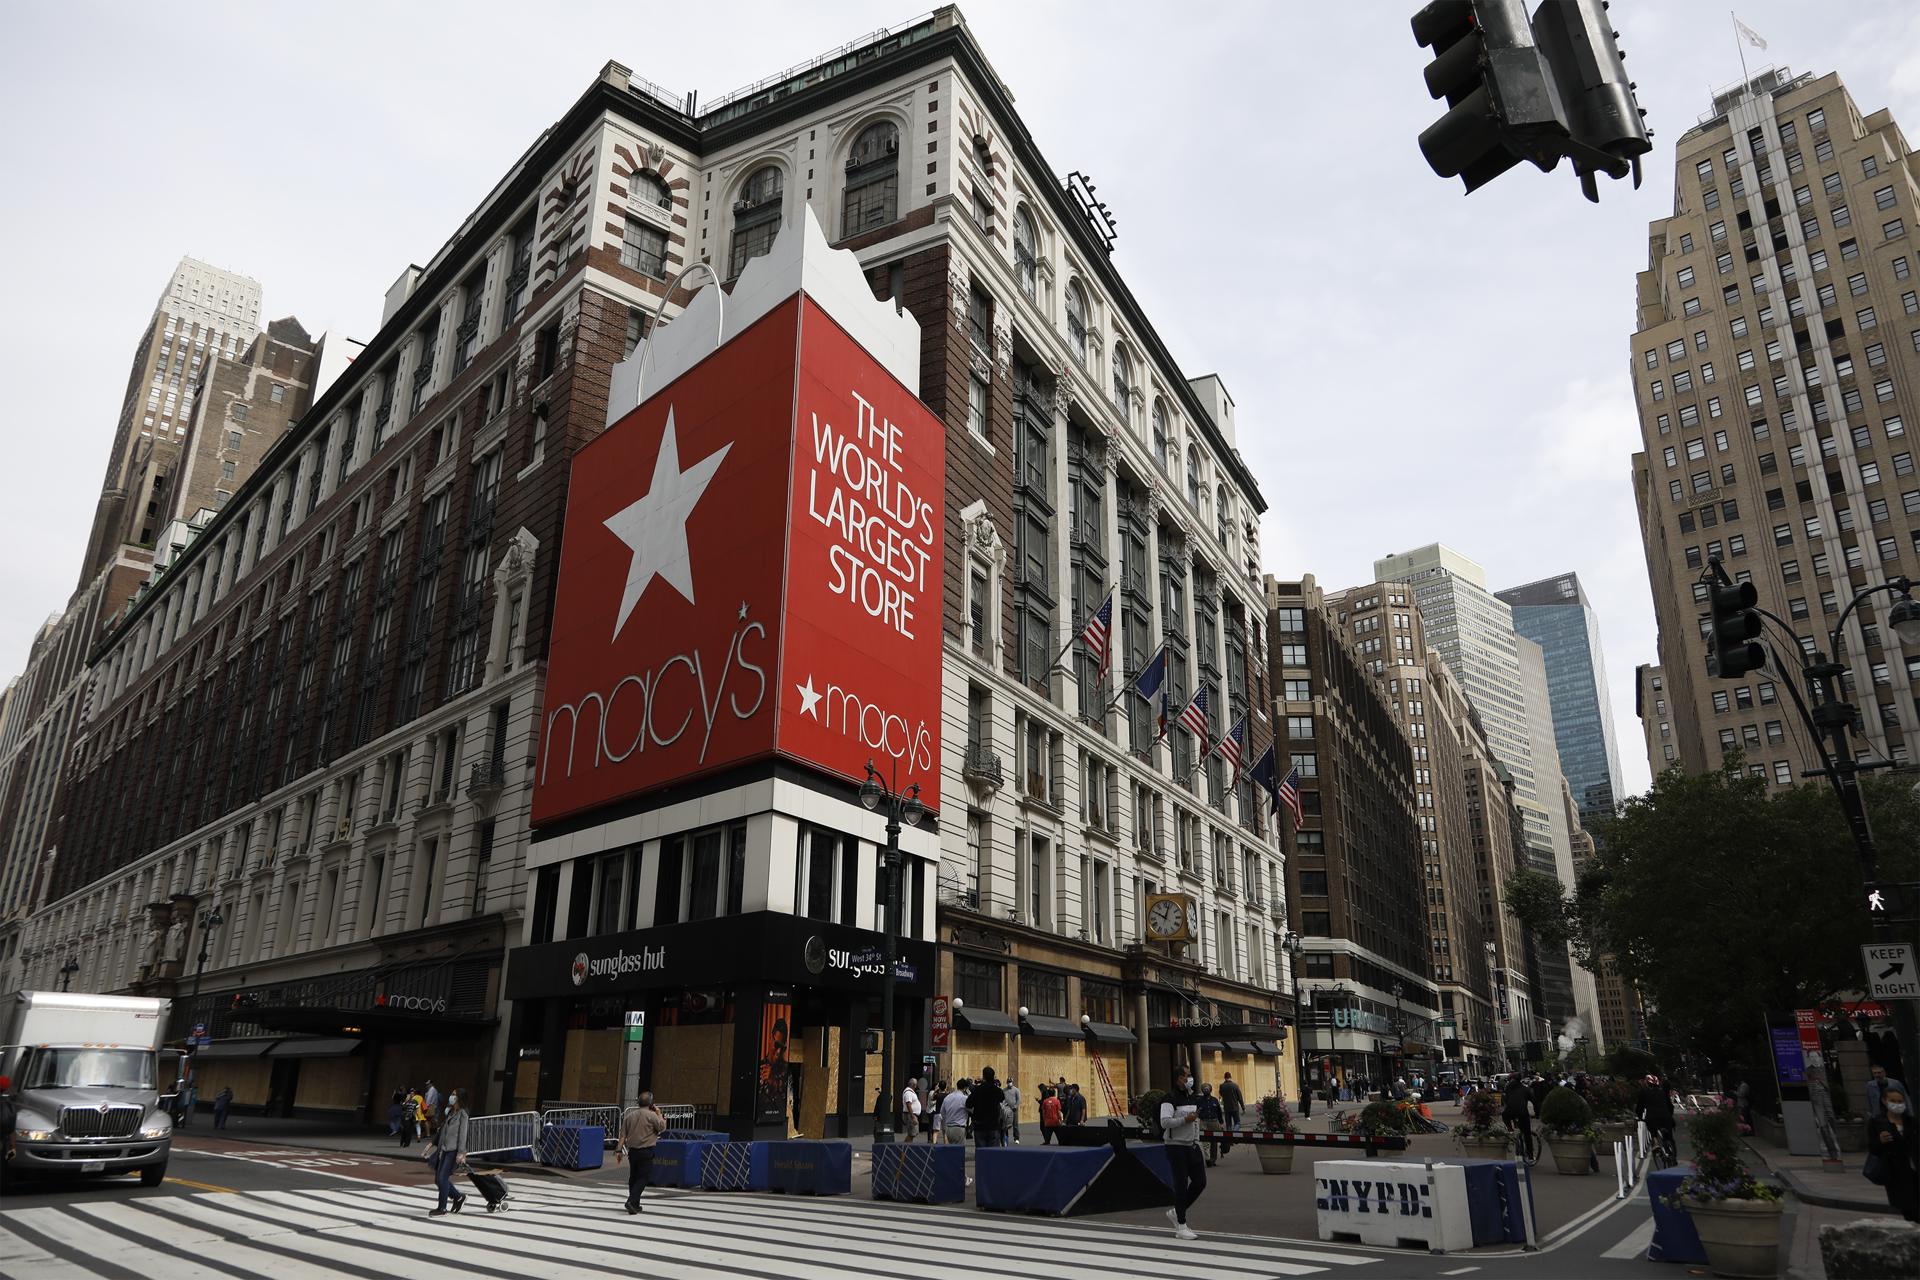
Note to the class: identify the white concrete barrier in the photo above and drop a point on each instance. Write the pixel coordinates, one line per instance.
(1401, 1206)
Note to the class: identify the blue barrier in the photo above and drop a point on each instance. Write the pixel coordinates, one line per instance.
(677, 1163)
(920, 1172)
(804, 1168)
(730, 1166)
(572, 1146)
(1674, 1237)
(1493, 1200)
(696, 1135)
(1072, 1180)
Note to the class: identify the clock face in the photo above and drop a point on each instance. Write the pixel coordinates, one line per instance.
(1166, 918)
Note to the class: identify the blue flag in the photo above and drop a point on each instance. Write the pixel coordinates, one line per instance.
(1153, 675)
(1262, 774)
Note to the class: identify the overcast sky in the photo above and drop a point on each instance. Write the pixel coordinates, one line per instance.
(1409, 364)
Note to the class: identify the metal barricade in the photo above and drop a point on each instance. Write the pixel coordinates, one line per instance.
(496, 1135)
(679, 1116)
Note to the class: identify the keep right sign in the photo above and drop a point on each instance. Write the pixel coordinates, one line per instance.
(1890, 971)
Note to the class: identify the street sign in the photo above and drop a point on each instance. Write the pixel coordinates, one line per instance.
(1890, 971)
(198, 1037)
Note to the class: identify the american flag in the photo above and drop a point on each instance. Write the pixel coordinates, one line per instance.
(1194, 718)
(1234, 746)
(1289, 795)
(1096, 632)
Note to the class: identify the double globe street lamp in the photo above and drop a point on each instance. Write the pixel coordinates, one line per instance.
(902, 806)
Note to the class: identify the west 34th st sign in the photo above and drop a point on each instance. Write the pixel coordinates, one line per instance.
(763, 522)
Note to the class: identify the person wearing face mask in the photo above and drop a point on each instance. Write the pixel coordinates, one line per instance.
(1180, 1130)
(1894, 1138)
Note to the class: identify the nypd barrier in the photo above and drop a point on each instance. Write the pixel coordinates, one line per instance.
(1439, 1207)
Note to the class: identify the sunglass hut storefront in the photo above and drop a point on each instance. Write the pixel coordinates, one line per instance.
(747, 627)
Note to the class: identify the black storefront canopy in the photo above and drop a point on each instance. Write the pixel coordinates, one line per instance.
(1039, 1024)
(985, 1020)
(1112, 1031)
(1215, 1035)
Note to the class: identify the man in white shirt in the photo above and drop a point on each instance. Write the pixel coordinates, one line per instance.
(953, 1115)
(910, 1110)
(1180, 1131)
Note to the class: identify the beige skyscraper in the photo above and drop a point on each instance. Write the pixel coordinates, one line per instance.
(1775, 367)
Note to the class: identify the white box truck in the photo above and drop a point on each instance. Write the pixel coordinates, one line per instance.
(92, 1087)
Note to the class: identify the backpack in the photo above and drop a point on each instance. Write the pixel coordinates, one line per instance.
(1050, 1111)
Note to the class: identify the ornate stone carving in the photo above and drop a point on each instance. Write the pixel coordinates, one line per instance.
(517, 561)
(1003, 348)
(985, 536)
(959, 290)
(656, 154)
(982, 365)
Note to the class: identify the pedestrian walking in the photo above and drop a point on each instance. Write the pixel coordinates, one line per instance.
(910, 1108)
(1233, 1105)
(1743, 1098)
(1049, 1115)
(394, 1110)
(411, 1115)
(640, 1129)
(953, 1113)
(1820, 1094)
(983, 1106)
(448, 1153)
(1210, 1117)
(430, 1109)
(1896, 1140)
(1877, 1089)
(1075, 1105)
(221, 1101)
(1013, 1113)
(1180, 1131)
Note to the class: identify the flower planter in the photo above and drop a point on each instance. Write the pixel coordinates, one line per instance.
(1741, 1237)
(1485, 1148)
(1275, 1157)
(1571, 1155)
(1612, 1131)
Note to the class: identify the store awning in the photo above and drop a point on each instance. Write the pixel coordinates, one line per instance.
(1112, 1031)
(234, 1048)
(1210, 1046)
(985, 1020)
(1267, 1048)
(316, 1048)
(1240, 1046)
(1039, 1024)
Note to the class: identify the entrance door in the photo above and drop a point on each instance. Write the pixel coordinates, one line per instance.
(282, 1086)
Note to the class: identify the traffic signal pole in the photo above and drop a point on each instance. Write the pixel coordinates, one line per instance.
(1829, 719)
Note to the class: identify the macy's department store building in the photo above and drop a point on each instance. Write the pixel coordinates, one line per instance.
(747, 612)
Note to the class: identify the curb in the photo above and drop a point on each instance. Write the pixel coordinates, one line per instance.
(1809, 1195)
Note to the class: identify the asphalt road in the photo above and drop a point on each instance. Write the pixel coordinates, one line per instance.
(234, 1208)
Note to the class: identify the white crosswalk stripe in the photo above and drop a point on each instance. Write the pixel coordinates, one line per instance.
(555, 1228)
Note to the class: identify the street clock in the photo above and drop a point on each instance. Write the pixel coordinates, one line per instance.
(1169, 917)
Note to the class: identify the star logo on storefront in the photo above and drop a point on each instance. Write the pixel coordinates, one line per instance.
(654, 528)
(844, 712)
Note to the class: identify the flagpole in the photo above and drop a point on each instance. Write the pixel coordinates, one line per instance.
(1741, 46)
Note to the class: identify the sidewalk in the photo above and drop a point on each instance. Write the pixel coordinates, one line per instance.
(1814, 1184)
(326, 1135)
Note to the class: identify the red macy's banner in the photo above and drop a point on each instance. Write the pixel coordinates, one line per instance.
(751, 566)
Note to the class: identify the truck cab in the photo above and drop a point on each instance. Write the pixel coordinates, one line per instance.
(92, 1088)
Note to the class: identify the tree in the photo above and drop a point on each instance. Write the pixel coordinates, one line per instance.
(1539, 902)
(1726, 904)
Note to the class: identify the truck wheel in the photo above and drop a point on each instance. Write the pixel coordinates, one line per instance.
(153, 1174)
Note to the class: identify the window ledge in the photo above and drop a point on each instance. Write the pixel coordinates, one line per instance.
(539, 456)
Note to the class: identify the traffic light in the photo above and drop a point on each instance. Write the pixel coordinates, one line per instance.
(1501, 104)
(1608, 130)
(1731, 648)
(1528, 90)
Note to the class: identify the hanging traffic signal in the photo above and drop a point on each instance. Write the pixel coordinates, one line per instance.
(1528, 90)
(1607, 127)
(1732, 649)
(1501, 105)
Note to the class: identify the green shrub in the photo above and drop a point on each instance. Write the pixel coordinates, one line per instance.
(1481, 1108)
(1566, 1113)
(1614, 1099)
(1274, 1115)
(1380, 1119)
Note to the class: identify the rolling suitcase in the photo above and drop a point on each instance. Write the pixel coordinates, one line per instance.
(491, 1187)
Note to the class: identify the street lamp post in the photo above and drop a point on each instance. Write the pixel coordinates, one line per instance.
(901, 806)
(1291, 943)
(1494, 1028)
(1399, 1032)
(67, 970)
(209, 921)
(1830, 718)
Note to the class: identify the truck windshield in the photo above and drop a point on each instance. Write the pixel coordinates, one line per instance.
(91, 1068)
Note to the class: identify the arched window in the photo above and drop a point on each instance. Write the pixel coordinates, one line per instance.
(648, 188)
(756, 217)
(1122, 381)
(1077, 321)
(1160, 434)
(1025, 264)
(1195, 489)
(1225, 505)
(873, 179)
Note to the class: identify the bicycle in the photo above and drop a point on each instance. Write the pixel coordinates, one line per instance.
(1660, 1149)
(1526, 1147)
